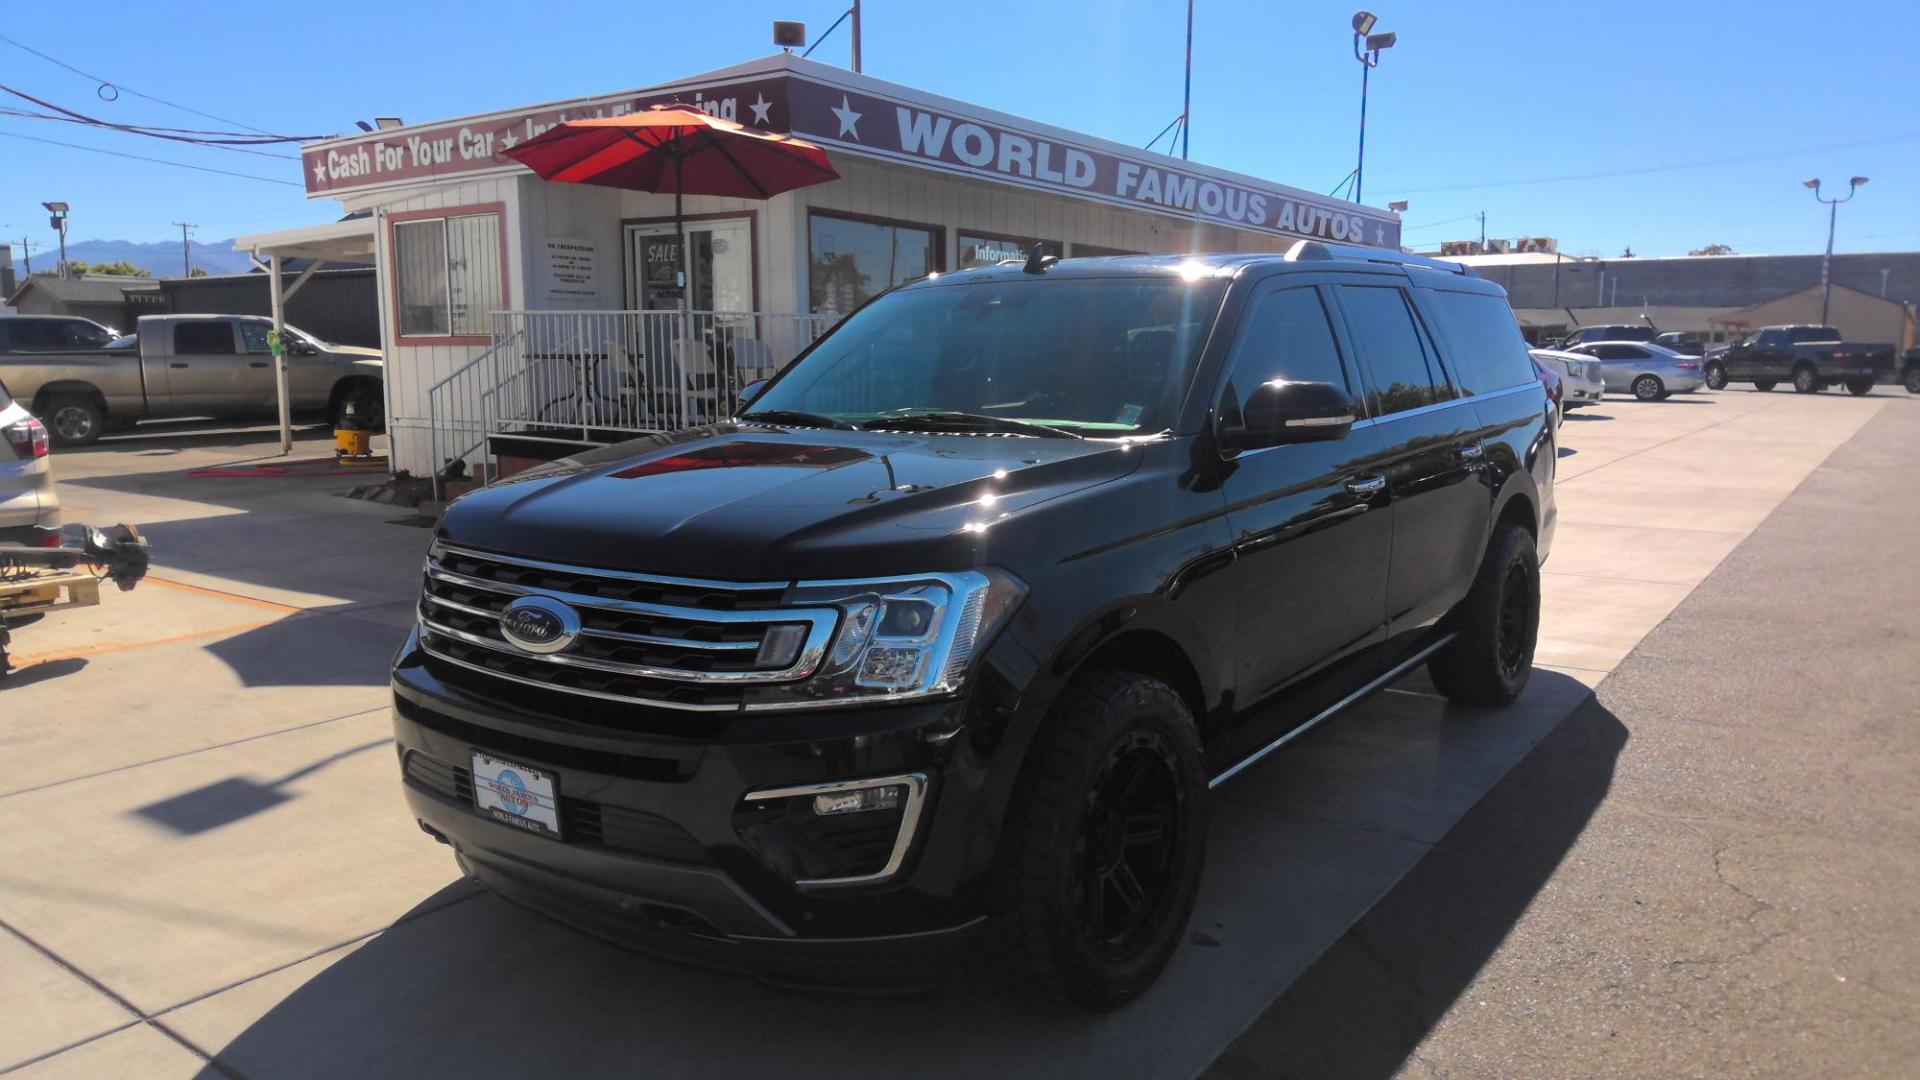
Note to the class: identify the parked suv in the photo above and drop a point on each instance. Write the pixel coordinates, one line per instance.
(943, 641)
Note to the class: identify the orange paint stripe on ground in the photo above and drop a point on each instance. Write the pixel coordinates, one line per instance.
(30, 659)
(222, 594)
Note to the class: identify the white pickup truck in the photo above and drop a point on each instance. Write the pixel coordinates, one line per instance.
(193, 365)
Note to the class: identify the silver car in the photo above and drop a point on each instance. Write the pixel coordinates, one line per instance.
(1580, 379)
(1647, 371)
(27, 498)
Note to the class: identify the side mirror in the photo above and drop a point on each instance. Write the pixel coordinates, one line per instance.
(1284, 411)
(751, 391)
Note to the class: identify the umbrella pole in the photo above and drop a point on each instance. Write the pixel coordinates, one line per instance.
(686, 279)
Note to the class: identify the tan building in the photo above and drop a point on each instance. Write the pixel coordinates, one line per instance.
(1857, 315)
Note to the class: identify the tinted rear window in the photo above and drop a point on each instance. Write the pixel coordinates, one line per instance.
(6, 399)
(203, 338)
(1481, 340)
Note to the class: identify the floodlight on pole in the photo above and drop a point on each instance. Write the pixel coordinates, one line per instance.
(1833, 214)
(1366, 49)
(58, 222)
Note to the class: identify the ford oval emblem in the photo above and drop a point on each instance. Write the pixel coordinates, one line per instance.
(537, 624)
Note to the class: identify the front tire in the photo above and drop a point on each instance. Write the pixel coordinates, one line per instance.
(75, 421)
(1764, 385)
(1649, 388)
(1913, 379)
(1716, 376)
(1860, 387)
(1496, 626)
(1806, 382)
(1105, 842)
(362, 407)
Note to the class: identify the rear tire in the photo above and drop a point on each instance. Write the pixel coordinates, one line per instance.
(1860, 387)
(1649, 388)
(1105, 841)
(1764, 385)
(1716, 376)
(1497, 626)
(368, 404)
(75, 421)
(1913, 379)
(1805, 381)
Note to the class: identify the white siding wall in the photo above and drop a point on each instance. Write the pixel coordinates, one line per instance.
(411, 369)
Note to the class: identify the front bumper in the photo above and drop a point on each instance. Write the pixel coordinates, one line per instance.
(661, 848)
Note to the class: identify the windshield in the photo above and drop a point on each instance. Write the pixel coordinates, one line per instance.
(1100, 357)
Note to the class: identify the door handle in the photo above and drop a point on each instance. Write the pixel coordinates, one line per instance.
(258, 363)
(176, 364)
(1367, 486)
(1472, 452)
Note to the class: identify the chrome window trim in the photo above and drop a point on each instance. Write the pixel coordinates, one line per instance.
(916, 785)
(1438, 405)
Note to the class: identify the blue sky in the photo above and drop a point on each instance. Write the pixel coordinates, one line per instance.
(1707, 115)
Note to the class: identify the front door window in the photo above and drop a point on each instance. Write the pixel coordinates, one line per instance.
(719, 272)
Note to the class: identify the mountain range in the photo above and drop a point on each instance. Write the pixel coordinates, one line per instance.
(161, 257)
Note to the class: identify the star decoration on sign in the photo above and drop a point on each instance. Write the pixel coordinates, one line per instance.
(319, 172)
(1379, 236)
(507, 140)
(847, 117)
(760, 106)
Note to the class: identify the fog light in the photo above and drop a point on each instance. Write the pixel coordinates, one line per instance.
(781, 647)
(853, 802)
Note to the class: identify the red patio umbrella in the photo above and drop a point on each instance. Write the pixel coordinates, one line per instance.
(678, 149)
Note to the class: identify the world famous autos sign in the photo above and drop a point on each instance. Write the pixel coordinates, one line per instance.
(864, 117)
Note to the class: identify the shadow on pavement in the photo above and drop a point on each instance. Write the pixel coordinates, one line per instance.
(1302, 846)
(1363, 1008)
(224, 802)
(41, 672)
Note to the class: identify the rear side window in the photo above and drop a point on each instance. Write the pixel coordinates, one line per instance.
(202, 338)
(1284, 335)
(1620, 352)
(1481, 339)
(6, 399)
(1406, 374)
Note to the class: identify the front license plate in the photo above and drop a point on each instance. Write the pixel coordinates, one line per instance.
(516, 794)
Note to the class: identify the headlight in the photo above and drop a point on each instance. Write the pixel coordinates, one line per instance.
(903, 637)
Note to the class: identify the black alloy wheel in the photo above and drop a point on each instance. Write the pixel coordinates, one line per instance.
(1716, 376)
(1805, 381)
(1764, 385)
(1860, 387)
(1497, 626)
(1127, 843)
(1519, 611)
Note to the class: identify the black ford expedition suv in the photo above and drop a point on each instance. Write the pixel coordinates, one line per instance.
(943, 639)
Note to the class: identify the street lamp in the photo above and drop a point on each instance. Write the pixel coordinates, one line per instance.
(1366, 49)
(1833, 212)
(58, 221)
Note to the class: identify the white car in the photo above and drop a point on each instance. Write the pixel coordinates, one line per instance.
(1580, 377)
(27, 499)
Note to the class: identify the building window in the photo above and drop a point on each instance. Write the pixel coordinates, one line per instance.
(986, 249)
(852, 259)
(447, 275)
(1088, 251)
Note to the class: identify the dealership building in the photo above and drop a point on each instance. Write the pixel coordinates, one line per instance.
(511, 303)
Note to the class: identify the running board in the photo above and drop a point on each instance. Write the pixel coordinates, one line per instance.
(1398, 670)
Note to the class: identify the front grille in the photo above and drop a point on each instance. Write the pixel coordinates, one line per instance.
(582, 821)
(670, 642)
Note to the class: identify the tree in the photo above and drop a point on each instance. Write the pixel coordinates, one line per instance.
(112, 269)
(1712, 249)
(198, 272)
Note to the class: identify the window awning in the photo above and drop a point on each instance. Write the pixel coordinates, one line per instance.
(350, 240)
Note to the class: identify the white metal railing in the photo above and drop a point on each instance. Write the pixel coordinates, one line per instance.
(599, 376)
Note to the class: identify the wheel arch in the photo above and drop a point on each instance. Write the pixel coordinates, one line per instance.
(65, 388)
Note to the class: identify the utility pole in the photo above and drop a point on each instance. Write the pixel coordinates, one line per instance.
(1483, 232)
(186, 249)
(856, 35)
(26, 252)
(1186, 96)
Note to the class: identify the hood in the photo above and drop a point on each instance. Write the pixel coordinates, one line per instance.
(356, 353)
(749, 503)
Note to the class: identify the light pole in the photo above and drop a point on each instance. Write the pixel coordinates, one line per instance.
(58, 221)
(1366, 49)
(1833, 214)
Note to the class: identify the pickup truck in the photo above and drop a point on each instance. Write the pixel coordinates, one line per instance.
(193, 365)
(1810, 357)
(937, 646)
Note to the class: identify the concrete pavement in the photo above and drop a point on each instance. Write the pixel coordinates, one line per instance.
(204, 856)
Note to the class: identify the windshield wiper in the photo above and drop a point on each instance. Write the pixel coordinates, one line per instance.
(942, 420)
(799, 416)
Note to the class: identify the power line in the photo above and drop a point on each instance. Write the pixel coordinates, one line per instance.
(224, 138)
(29, 114)
(1738, 159)
(1437, 224)
(142, 157)
(105, 84)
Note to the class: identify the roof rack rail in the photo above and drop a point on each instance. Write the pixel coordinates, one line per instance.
(1317, 250)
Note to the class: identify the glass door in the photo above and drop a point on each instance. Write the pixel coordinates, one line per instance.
(691, 349)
